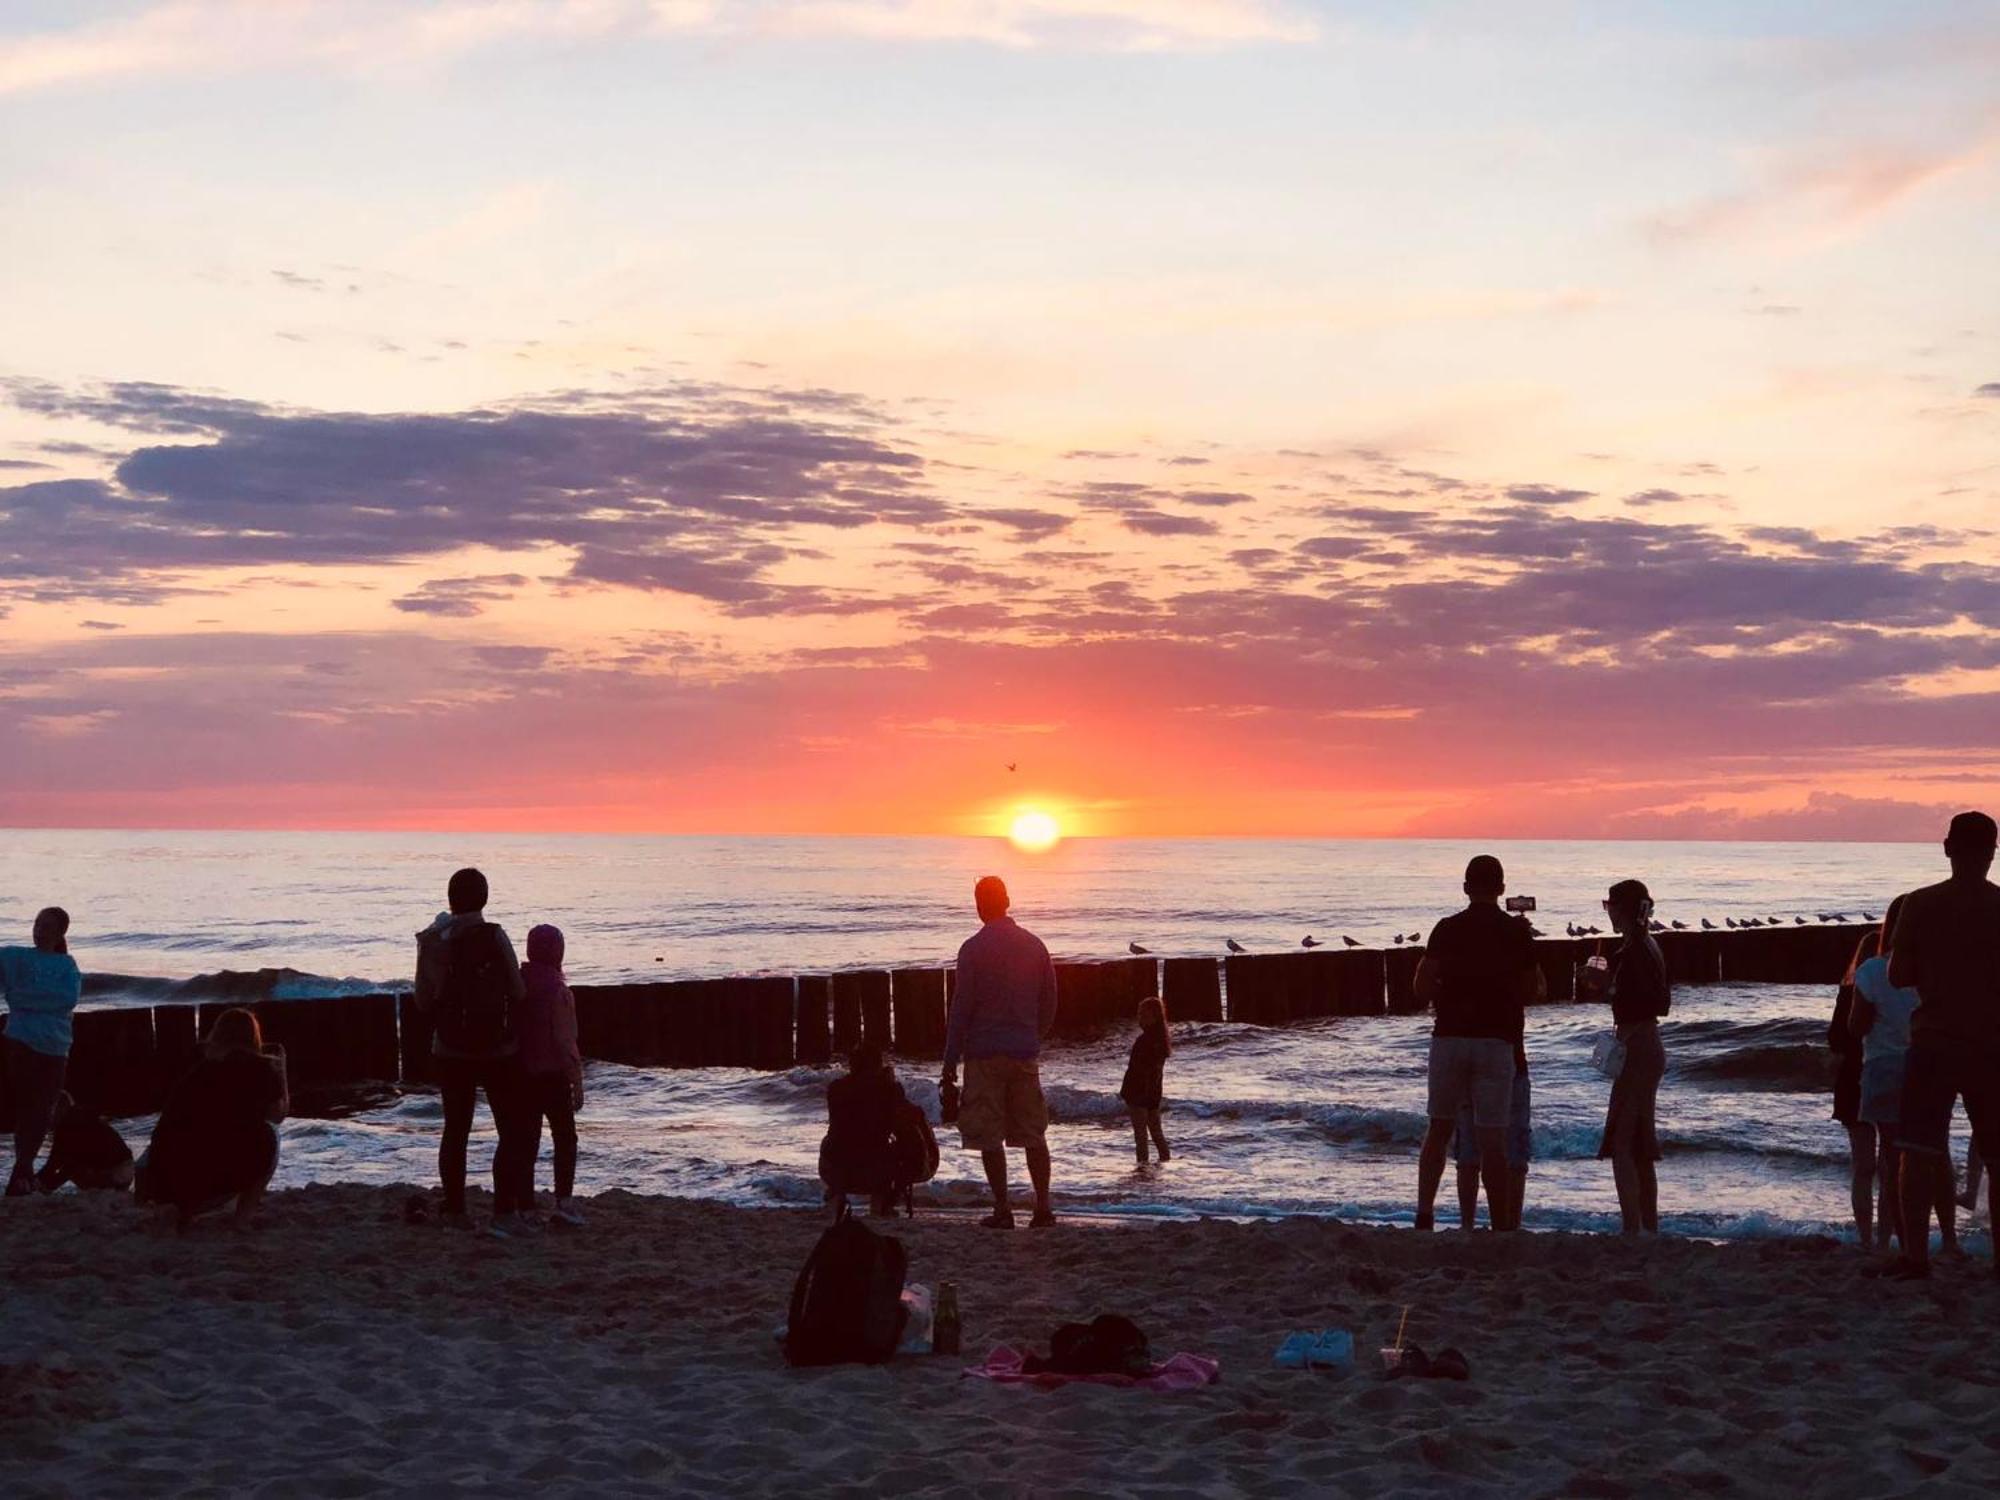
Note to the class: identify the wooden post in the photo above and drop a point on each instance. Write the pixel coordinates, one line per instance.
(1079, 1000)
(1399, 981)
(1126, 981)
(174, 1043)
(1192, 989)
(846, 1013)
(1559, 958)
(815, 1045)
(772, 1000)
(917, 998)
(1363, 981)
(1256, 987)
(112, 1068)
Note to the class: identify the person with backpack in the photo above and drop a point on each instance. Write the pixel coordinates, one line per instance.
(859, 1153)
(470, 988)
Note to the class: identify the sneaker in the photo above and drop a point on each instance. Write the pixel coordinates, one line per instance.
(1043, 1219)
(567, 1214)
(1000, 1218)
(513, 1227)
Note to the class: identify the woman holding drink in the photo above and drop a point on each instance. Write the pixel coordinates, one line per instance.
(1635, 983)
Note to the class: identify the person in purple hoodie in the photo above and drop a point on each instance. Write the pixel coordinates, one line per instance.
(553, 1063)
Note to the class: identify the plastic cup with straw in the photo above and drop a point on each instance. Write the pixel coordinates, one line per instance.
(1392, 1357)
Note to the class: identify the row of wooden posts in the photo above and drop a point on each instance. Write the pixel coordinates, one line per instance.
(124, 1059)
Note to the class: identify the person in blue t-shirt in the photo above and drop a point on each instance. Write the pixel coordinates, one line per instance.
(41, 986)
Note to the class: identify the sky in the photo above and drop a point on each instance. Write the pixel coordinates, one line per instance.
(1261, 417)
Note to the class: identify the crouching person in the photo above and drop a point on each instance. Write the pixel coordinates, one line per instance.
(860, 1153)
(87, 1150)
(217, 1139)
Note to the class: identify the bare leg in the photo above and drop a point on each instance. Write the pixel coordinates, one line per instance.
(1468, 1196)
(1945, 1190)
(1974, 1165)
(1038, 1174)
(1891, 1176)
(1916, 1189)
(1493, 1169)
(1159, 1135)
(1519, 1176)
(1861, 1182)
(1138, 1132)
(1649, 1194)
(1625, 1173)
(995, 1162)
(1430, 1170)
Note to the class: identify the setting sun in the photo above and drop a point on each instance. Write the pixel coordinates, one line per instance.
(1033, 830)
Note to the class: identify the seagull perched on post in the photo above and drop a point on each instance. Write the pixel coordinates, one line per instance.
(1309, 941)
(1349, 941)
(1397, 940)
(1233, 946)
(1680, 927)
(1416, 937)
(1137, 952)
(1729, 922)
(1869, 916)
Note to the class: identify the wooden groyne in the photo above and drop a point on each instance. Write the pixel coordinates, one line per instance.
(125, 1058)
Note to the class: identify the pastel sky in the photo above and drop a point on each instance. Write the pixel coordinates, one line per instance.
(1242, 416)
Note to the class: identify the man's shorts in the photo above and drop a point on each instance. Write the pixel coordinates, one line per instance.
(1003, 1104)
(1942, 1070)
(1475, 1071)
(1520, 1133)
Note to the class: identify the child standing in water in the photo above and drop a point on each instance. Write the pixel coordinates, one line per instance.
(1145, 1079)
(553, 1063)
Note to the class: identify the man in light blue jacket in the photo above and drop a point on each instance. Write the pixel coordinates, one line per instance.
(1003, 1004)
(42, 986)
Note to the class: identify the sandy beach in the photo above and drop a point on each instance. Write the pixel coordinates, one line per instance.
(339, 1351)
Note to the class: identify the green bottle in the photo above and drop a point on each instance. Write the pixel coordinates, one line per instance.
(944, 1322)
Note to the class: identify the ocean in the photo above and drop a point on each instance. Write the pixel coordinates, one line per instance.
(1321, 1118)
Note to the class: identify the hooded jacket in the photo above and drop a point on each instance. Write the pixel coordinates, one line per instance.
(548, 1012)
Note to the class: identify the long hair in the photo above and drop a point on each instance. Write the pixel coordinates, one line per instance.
(1153, 1013)
(1889, 920)
(1867, 948)
(235, 1030)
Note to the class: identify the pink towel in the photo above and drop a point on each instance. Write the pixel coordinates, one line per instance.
(1184, 1372)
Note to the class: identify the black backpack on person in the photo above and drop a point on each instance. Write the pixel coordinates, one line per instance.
(475, 1005)
(847, 1305)
(914, 1144)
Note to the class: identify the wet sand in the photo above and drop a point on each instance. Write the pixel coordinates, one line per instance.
(337, 1350)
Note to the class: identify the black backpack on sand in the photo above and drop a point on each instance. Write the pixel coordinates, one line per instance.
(475, 1006)
(847, 1305)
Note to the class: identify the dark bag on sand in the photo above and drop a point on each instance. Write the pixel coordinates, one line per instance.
(847, 1305)
(475, 1008)
(1106, 1345)
(915, 1144)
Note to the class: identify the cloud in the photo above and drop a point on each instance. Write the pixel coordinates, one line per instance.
(696, 488)
(1989, 391)
(1027, 524)
(1546, 494)
(1822, 194)
(207, 37)
(1641, 499)
(1158, 523)
(459, 598)
(1215, 499)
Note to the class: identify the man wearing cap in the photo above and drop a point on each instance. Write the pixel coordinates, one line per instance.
(1947, 948)
(1003, 1003)
(1477, 973)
